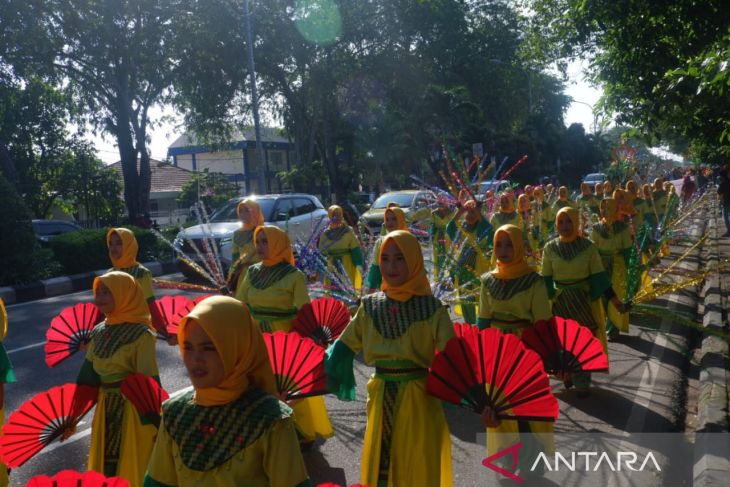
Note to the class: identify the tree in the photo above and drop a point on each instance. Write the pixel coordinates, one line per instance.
(211, 188)
(111, 56)
(662, 64)
(52, 167)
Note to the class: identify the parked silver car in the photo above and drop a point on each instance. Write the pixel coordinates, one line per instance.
(298, 214)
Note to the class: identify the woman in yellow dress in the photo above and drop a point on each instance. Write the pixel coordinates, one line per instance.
(123, 248)
(244, 251)
(506, 213)
(544, 215)
(6, 377)
(123, 344)
(472, 240)
(613, 239)
(530, 228)
(513, 297)
(576, 281)
(393, 219)
(598, 190)
(274, 290)
(607, 189)
(398, 330)
(586, 201)
(563, 200)
(230, 429)
(342, 249)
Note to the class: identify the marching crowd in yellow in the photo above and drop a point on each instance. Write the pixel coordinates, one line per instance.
(535, 256)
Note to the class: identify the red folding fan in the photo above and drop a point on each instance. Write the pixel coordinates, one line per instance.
(168, 311)
(145, 394)
(566, 346)
(465, 329)
(322, 320)
(72, 478)
(69, 330)
(298, 365)
(493, 369)
(42, 419)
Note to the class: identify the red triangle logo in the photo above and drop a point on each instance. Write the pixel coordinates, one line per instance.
(513, 451)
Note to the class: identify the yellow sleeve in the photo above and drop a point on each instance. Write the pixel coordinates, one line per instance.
(282, 456)
(595, 264)
(540, 305)
(162, 463)
(444, 327)
(547, 264)
(485, 305)
(301, 295)
(145, 282)
(353, 334)
(242, 290)
(146, 356)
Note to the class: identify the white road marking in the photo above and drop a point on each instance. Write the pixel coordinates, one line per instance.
(27, 347)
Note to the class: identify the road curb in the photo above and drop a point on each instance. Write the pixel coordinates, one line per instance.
(712, 462)
(58, 286)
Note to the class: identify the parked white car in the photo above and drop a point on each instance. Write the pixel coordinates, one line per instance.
(298, 214)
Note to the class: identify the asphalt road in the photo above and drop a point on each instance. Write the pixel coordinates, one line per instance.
(641, 394)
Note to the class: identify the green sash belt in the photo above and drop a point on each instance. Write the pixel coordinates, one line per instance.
(271, 314)
(399, 370)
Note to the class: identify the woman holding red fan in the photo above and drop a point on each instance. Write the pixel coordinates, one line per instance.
(6, 376)
(399, 330)
(513, 297)
(274, 290)
(123, 250)
(121, 345)
(244, 250)
(576, 280)
(230, 429)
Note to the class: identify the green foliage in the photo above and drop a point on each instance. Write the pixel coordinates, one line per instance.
(663, 65)
(21, 258)
(305, 178)
(214, 189)
(86, 250)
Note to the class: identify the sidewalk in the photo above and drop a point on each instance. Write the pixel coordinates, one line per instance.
(69, 284)
(712, 450)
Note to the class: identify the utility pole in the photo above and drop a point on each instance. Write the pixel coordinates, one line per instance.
(260, 162)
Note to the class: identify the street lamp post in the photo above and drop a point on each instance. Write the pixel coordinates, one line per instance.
(262, 176)
(593, 112)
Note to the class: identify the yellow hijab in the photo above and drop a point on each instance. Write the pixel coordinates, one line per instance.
(631, 187)
(539, 194)
(331, 212)
(523, 203)
(510, 200)
(607, 188)
(254, 209)
(279, 245)
(658, 184)
(571, 213)
(400, 217)
(549, 188)
(609, 208)
(129, 303)
(417, 283)
(518, 267)
(598, 189)
(563, 193)
(239, 344)
(3, 321)
(129, 248)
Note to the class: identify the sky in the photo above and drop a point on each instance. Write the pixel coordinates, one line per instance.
(164, 134)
